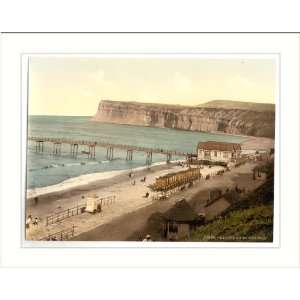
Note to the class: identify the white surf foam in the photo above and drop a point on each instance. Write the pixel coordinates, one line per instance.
(73, 182)
(72, 164)
(83, 180)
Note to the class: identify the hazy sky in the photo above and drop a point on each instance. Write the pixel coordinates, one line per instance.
(74, 86)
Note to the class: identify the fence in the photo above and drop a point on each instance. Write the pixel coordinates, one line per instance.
(106, 200)
(77, 210)
(58, 217)
(62, 235)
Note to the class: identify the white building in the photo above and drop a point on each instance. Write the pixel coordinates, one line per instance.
(218, 151)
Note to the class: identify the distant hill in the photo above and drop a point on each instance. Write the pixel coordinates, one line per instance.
(229, 104)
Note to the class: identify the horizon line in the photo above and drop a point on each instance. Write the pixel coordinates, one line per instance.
(195, 105)
(47, 115)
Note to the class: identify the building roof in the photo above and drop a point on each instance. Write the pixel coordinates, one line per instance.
(181, 212)
(221, 146)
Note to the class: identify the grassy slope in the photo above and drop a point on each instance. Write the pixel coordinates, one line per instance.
(250, 219)
(251, 225)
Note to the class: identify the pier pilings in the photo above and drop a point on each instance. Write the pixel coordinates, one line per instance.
(149, 158)
(110, 153)
(129, 155)
(169, 157)
(39, 146)
(56, 148)
(92, 151)
(74, 149)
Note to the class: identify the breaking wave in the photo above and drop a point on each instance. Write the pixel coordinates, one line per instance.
(70, 165)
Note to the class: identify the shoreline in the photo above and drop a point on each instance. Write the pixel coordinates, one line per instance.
(90, 181)
(128, 198)
(84, 181)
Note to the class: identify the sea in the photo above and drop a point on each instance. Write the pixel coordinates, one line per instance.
(45, 169)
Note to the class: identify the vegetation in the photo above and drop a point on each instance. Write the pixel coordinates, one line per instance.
(249, 219)
(247, 225)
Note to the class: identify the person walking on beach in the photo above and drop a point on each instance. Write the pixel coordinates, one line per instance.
(28, 221)
(36, 200)
(36, 221)
(147, 238)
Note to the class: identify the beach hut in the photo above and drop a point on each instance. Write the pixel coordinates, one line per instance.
(173, 180)
(179, 220)
(218, 152)
(92, 204)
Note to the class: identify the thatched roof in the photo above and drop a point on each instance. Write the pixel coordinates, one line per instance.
(181, 212)
(221, 146)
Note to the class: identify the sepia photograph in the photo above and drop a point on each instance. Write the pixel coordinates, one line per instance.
(150, 148)
(149, 151)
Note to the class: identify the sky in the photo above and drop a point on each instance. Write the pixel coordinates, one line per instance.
(74, 86)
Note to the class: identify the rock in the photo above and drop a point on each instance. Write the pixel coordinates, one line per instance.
(250, 122)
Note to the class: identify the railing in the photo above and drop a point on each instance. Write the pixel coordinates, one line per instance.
(106, 200)
(62, 235)
(70, 212)
(106, 144)
(77, 210)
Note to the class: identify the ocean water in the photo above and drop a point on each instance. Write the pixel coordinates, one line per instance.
(45, 169)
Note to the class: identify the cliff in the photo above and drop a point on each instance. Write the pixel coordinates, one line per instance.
(229, 104)
(206, 119)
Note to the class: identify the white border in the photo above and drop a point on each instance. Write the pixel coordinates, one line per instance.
(25, 61)
(285, 255)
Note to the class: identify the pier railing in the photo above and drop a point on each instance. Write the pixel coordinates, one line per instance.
(104, 144)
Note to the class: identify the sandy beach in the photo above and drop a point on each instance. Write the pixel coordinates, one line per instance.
(131, 226)
(252, 142)
(129, 198)
(258, 143)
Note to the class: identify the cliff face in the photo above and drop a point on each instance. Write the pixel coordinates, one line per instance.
(207, 119)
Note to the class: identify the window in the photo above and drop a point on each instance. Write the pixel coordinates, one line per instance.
(215, 153)
(225, 155)
(207, 154)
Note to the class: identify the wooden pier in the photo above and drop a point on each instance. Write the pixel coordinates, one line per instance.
(110, 147)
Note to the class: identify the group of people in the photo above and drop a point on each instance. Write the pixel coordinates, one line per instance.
(31, 220)
(131, 175)
(142, 180)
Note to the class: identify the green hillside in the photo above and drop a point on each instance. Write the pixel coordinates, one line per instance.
(249, 219)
